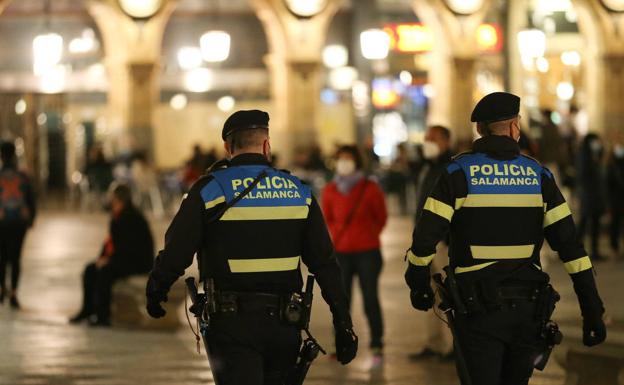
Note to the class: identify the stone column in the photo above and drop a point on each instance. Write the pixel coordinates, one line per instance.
(132, 57)
(452, 69)
(294, 63)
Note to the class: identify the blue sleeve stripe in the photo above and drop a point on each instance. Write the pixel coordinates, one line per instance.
(211, 191)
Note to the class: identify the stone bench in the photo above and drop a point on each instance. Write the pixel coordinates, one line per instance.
(128, 305)
(599, 365)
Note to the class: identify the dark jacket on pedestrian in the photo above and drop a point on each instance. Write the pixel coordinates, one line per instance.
(17, 199)
(130, 246)
(615, 183)
(590, 176)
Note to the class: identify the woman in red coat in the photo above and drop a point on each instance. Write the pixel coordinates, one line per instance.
(355, 211)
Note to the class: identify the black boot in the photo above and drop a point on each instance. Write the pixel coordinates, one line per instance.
(14, 302)
(78, 318)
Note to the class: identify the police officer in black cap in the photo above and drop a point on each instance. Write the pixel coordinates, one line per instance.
(498, 207)
(252, 252)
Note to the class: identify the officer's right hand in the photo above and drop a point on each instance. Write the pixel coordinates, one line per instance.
(155, 309)
(594, 331)
(422, 299)
(346, 344)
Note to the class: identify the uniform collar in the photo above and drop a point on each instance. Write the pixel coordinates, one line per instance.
(250, 158)
(497, 145)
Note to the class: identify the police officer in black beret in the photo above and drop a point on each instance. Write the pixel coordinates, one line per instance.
(498, 207)
(252, 252)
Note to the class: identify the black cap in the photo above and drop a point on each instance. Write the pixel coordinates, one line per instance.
(245, 120)
(495, 107)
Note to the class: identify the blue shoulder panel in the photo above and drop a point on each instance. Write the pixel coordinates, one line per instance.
(452, 167)
(485, 175)
(211, 191)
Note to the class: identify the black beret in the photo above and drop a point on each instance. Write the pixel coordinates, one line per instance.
(245, 120)
(495, 107)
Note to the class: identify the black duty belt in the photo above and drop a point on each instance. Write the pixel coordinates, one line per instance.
(528, 293)
(232, 302)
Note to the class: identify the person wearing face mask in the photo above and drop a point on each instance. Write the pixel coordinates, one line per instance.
(591, 191)
(497, 206)
(355, 211)
(436, 151)
(251, 226)
(615, 183)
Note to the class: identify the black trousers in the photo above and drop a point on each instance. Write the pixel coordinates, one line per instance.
(499, 347)
(593, 221)
(616, 228)
(253, 347)
(97, 285)
(11, 241)
(367, 266)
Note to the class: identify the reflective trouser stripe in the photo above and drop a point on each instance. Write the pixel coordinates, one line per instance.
(215, 202)
(265, 213)
(502, 252)
(503, 200)
(419, 261)
(439, 208)
(459, 270)
(578, 265)
(556, 214)
(263, 265)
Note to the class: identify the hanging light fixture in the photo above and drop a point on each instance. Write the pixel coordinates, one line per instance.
(47, 47)
(215, 46)
(532, 43)
(375, 44)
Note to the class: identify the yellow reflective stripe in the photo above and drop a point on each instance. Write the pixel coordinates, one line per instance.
(459, 270)
(578, 265)
(419, 261)
(503, 200)
(459, 202)
(556, 214)
(265, 213)
(263, 265)
(308, 201)
(439, 208)
(215, 202)
(502, 252)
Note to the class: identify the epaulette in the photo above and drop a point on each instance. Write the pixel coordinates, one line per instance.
(462, 154)
(284, 170)
(532, 158)
(218, 165)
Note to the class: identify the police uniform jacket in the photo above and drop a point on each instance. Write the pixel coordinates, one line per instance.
(256, 245)
(498, 206)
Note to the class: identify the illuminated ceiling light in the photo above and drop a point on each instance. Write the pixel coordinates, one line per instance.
(406, 78)
(96, 70)
(215, 46)
(85, 43)
(335, 56)
(542, 64)
(565, 91)
(464, 7)
(52, 81)
(614, 5)
(487, 37)
(140, 9)
(189, 58)
(571, 58)
(532, 43)
(178, 102)
(20, 107)
(306, 8)
(42, 119)
(198, 80)
(375, 44)
(342, 78)
(226, 103)
(429, 91)
(47, 52)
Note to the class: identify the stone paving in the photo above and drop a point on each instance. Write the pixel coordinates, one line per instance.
(38, 347)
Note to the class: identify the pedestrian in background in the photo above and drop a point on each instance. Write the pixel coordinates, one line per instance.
(17, 213)
(591, 190)
(355, 211)
(128, 250)
(615, 183)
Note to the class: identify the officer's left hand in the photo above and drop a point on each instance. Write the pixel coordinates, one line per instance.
(422, 299)
(155, 309)
(346, 345)
(594, 331)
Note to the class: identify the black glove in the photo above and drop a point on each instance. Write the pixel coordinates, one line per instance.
(594, 331)
(346, 344)
(422, 299)
(155, 309)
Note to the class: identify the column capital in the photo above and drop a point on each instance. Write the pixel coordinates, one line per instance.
(603, 28)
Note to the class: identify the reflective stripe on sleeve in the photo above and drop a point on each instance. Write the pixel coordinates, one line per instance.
(459, 269)
(502, 252)
(504, 200)
(263, 265)
(439, 208)
(215, 202)
(265, 213)
(459, 202)
(578, 265)
(555, 215)
(419, 261)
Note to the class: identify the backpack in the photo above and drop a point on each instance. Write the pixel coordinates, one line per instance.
(13, 206)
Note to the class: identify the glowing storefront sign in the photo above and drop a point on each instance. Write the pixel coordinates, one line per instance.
(418, 38)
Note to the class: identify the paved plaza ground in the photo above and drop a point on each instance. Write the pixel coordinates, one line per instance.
(38, 347)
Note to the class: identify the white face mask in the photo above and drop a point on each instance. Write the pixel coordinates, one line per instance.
(595, 146)
(618, 151)
(345, 167)
(431, 150)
